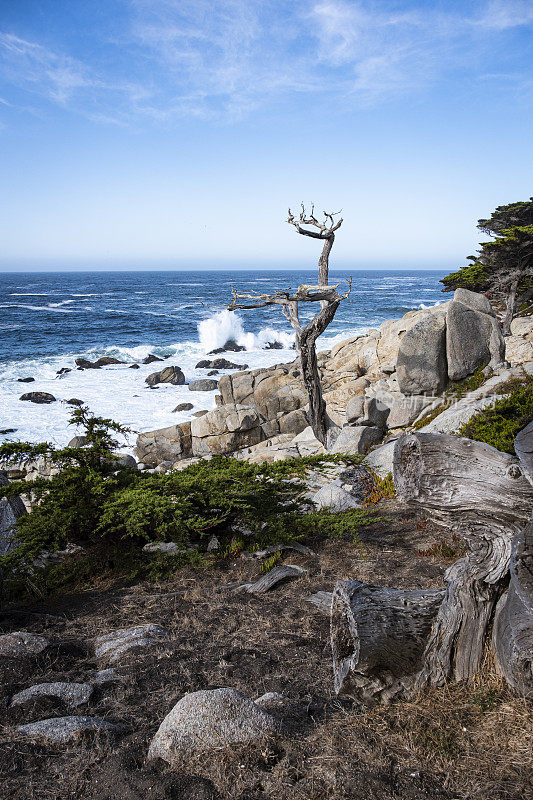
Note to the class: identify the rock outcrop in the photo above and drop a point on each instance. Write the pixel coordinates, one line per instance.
(164, 445)
(387, 379)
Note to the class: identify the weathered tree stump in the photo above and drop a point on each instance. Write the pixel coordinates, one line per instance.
(484, 496)
(378, 638)
(388, 642)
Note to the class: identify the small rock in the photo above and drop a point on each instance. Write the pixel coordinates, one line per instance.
(274, 346)
(272, 701)
(72, 694)
(63, 371)
(203, 385)
(74, 402)
(201, 413)
(104, 676)
(3, 431)
(335, 498)
(169, 548)
(212, 372)
(134, 366)
(210, 719)
(38, 397)
(213, 544)
(151, 358)
(78, 441)
(25, 380)
(22, 643)
(106, 361)
(115, 644)
(172, 375)
(61, 730)
(184, 407)
(230, 346)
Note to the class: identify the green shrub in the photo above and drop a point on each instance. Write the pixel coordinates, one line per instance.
(90, 503)
(499, 424)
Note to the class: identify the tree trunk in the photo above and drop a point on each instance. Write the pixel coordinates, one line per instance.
(483, 495)
(510, 309)
(323, 261)
(513, 624)
(306, 345)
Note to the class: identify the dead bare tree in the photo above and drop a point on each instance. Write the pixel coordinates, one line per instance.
(327, 296)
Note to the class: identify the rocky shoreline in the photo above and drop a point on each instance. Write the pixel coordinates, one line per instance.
(375, 387)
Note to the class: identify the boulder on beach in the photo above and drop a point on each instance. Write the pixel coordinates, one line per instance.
(203, 385)
(63, 371)
(38, 397)
(25, 380)
(219, 363)
(183, 407)
(231, 346)
(151, 358)
(74, 401)
(84, 363)
(172, 375)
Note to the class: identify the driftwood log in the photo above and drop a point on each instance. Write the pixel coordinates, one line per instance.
(484, 496)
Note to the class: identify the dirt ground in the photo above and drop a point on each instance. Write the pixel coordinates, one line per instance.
(459, 742)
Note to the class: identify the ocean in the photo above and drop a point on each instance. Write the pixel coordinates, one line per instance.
(49, 319)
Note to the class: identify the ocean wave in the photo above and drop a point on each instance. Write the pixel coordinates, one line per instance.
(38, 308)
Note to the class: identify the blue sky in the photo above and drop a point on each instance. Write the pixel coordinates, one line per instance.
(174, 134)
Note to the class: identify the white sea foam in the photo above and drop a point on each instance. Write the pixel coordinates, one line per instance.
(215, 331)
(119, 392)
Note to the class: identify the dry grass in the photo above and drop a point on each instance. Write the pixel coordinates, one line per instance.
(455, 742)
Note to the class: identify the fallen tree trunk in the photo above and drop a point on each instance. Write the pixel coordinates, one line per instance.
(378, 638)
(387, 642)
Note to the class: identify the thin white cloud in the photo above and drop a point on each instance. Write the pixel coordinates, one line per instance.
(502, 15)
(205, 60)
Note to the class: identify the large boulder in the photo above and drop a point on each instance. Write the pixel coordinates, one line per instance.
(207, 720)
(357, 439)
(172, 375)
(406, 410)
(473, 335)
(421, 365)
(225, 429)
(166, 444)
